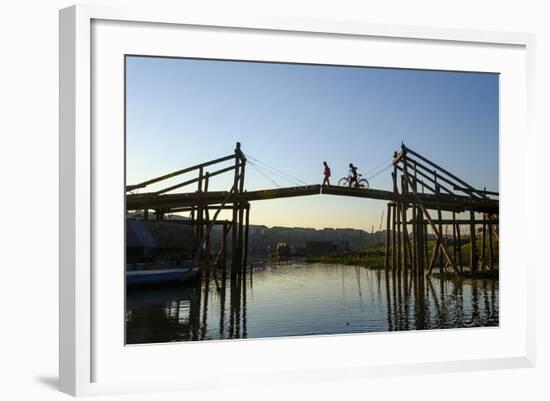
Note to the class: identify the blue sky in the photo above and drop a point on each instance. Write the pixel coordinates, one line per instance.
(182, 111)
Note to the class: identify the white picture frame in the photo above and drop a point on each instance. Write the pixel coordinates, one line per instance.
(82, 345)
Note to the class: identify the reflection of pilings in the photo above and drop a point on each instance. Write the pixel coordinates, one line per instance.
(387, 256)
(244, 321)
(475, 302)
(222, 292)
(247, 225)
(195, 311)
(406, 294)
(458, 295)
(394, 297)
(494, 300)
(420, 309)
(388, 300)
(400, 301)
(235, 305)
(204, 326)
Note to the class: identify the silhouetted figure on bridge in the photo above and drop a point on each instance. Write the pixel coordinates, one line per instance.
(352, 178)
(326, 174)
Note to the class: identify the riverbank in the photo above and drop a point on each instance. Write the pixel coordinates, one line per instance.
(375, 258)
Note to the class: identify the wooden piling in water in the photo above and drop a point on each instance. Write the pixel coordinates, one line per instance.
(459, 248)
(483, 242)
(473, 260)
(398, 223)
(440, 228)
(454, 240)
(394, 235)
(387, 256)
(421, 233)
(406, 240)
(234, 228)
(491, 254)
(247, 224)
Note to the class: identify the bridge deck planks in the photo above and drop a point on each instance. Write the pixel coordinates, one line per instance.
(170, 201)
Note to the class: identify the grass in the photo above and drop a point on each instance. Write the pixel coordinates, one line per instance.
(373, 257)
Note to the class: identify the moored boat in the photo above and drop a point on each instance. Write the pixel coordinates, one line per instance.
(161, 272)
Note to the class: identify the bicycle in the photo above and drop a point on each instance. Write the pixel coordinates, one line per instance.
(360, 183)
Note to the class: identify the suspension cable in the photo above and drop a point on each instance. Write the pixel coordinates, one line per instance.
(379, 172)
(375, 168)
(263, 173)
(277, 171)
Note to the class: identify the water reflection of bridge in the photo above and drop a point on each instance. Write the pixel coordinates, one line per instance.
(211, 308)
(421, 189)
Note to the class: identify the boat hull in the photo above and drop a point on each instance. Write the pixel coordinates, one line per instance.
(159, 276)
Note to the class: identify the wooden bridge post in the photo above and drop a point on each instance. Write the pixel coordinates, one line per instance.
(224, 246)
(247, 224)
(420, 234)
(235, 213)
(473, 255)
(454, 240)
(415, 229)
(241, 241)
(406, 239)
(393, 234)
(483, 242)
(491, 255)
(387, 256)
(206, 233)
(425, 235)
(398, 223)
(404, 189)
(440, 226)
(459, 248)
(200, 213)
(397, 217)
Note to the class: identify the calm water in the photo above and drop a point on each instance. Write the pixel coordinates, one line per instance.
(295, 298)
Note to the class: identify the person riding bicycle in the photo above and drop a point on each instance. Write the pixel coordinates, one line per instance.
(352, 178)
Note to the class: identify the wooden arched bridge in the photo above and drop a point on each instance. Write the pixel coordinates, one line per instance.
(419, 187)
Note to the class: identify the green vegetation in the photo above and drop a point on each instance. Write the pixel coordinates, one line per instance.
(374, 258)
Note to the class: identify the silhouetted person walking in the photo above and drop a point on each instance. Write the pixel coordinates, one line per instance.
(326, 174)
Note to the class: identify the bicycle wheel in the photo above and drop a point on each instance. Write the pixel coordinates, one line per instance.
(363, 183)
(343, 182)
